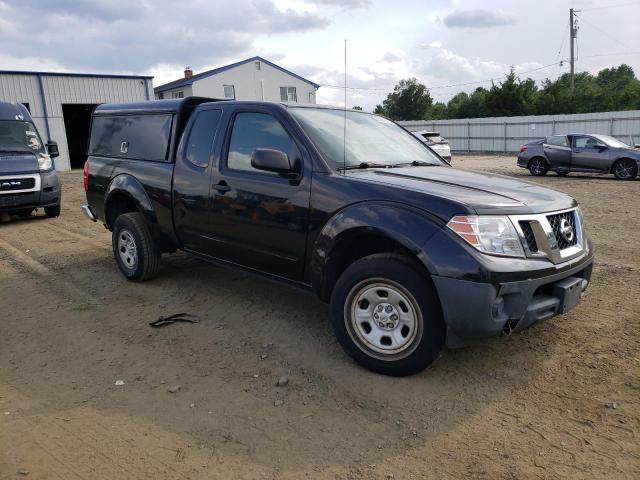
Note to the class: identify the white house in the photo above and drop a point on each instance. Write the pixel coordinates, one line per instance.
(251, 79)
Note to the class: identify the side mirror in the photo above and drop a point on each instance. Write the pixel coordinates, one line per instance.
(52, 148)
(271, 161)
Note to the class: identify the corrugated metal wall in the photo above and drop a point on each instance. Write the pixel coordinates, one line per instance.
(506, 134)
(68, 89)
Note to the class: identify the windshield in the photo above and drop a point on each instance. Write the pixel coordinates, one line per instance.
(370, 139)
(611, 141)
(19, 136)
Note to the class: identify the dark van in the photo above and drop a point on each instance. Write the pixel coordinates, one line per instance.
(28, 179)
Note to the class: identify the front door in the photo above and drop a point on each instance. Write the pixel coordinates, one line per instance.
(590, 154)
(259, 219)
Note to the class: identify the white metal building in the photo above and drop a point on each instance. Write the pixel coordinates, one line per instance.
(251, 79)
(61, 104)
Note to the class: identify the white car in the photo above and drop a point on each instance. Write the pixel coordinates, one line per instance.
(436, 143)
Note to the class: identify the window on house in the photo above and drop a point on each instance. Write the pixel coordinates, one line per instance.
(178, 94)
(288, 94)
(257, 64)
(229, 92)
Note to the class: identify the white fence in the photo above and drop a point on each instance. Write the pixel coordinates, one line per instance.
(506, 134)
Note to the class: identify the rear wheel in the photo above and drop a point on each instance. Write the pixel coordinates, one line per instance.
(52, 212)
(538, 166)
(386, 315)
(136, 254)
(625, 169)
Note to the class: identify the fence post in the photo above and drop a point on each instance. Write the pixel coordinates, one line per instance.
(468, 136)
(553, 126)
(611, 126)
(505, 137)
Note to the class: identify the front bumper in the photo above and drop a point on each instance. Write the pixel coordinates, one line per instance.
(47, 195)
(475, 310)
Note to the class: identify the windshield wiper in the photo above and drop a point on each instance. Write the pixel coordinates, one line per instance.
(363, 165)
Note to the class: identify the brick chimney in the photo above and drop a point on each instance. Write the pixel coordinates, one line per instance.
(188, 73)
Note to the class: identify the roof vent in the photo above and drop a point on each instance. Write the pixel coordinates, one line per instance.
(188, 73)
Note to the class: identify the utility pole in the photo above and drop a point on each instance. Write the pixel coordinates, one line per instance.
(573, 35)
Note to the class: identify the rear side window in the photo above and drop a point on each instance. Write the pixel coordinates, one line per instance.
(140, 137)
(558, 141)
(201, 137)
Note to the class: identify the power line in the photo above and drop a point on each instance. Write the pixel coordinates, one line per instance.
(476, 82)
(604, 32)
(616, 5)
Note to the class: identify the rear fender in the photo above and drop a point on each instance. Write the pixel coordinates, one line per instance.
(129, 187)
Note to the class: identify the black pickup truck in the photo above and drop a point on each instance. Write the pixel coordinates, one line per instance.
(411, 254)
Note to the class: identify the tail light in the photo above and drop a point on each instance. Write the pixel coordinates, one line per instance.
(523, 148)
(85, 175)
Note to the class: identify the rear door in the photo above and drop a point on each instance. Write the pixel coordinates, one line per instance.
(589, 153)
(558, 152)
(192, 178)
(259, 219)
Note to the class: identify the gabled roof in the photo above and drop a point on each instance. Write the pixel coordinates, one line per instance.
(189, 81)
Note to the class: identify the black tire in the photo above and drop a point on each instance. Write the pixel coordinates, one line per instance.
(140, 260)
(538, 167)
(52, 212)
(625, 169)
(374, 273)
(24, 213)
(562, 174)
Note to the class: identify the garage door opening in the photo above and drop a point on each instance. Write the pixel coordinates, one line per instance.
(77, 120)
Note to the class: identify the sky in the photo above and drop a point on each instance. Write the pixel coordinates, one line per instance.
(449, 45)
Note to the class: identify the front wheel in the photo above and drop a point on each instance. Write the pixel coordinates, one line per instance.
(136, 253)
(538, 167)
(386, 315)
(625, 169)
(52, 212)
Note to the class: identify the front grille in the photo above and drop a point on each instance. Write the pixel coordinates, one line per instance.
(529, 237)
(13, 184)
(561, 222)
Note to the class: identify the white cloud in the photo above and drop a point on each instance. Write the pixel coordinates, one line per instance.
(479, 18)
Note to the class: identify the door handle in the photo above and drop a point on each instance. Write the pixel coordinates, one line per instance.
(222, 187)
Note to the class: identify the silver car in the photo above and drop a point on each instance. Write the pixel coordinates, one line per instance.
(436, 143)
(580, 152)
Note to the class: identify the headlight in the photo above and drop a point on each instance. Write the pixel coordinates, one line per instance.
(44, 162)
(488, 234)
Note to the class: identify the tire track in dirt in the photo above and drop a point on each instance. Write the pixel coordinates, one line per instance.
(42, 272)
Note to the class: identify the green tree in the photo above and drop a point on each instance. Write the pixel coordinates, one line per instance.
(438, 111)
(410, 100)
(512, 97)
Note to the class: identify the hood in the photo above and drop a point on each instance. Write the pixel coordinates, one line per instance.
(484, 193)
(15, 163)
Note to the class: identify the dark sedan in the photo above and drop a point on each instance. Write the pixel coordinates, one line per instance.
(589, 153)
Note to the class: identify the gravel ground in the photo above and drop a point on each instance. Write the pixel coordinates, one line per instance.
(89, 391)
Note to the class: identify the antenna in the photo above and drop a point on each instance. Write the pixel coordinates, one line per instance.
(344, 133)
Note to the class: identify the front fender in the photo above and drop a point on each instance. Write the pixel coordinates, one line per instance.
(131, 188)
(407, 226)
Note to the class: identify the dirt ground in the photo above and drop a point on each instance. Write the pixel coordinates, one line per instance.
(561, 400)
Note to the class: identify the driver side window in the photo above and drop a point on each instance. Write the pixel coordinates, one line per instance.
(582, 141)
(256, 130)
